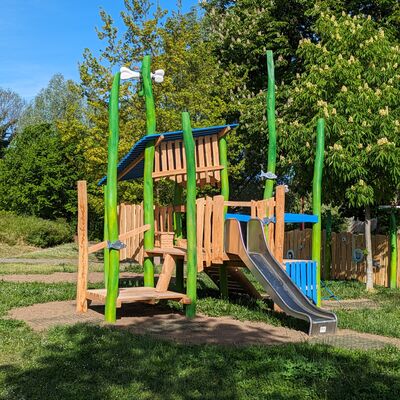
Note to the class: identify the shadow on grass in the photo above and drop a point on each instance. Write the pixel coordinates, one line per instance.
(241, 307)
(89, 362)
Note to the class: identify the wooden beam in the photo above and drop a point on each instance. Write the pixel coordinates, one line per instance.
(238, 203)
(280, 223)
(162, 174)
(138, 160)
(223, 132)
(166, 273)
(83, 258)
(122, 236)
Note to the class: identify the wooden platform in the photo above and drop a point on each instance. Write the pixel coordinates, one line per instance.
(136, 294)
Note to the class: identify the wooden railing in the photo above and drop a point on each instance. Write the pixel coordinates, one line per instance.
(210, 225)
(130, 216)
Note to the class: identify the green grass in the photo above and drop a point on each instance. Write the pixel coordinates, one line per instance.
(8, 251)
(63, 251)
(89, 362)
(21, 268)
(24, 294)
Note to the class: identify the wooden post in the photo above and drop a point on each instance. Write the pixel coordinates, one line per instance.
(393, 250)
(328, 246)
(316, 202)
(223, 160)
(280, 222)
(191, 284)
(179, 270)
(83, 259)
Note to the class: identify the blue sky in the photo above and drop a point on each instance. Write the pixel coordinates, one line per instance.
(39, 38)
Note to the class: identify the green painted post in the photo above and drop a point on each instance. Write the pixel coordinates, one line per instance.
(316, 202)
(148, 201)
(191, 263)
(269, 183)
(111, 202)
(328, 246)
(393, 250)
(223, 160)
(106, 251)
(179, 276)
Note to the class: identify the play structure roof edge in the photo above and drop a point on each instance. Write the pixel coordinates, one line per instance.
(138, 148)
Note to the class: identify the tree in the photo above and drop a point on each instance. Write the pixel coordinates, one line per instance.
(351, 77)
(59, 100)
(241, 31)
(11, 107)
(37, 176)
(193, 79)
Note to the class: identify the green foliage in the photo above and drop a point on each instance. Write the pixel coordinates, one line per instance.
(53, 104)
(38, 175)
(34, 231)
(352, 78)
(194, 81)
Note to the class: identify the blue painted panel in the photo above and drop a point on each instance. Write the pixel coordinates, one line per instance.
(289, 218)
(239, 217)
(300, 218)
(303, 273)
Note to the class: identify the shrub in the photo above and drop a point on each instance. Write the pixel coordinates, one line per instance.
(35, 231)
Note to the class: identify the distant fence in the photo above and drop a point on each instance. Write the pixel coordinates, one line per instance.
(344, 252)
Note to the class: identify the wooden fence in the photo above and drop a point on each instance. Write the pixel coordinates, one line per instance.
(343, 265)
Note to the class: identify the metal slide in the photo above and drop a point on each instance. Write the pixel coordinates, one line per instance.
(269, 273)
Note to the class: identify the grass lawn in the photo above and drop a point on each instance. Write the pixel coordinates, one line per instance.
(383, 320)
(89, 362)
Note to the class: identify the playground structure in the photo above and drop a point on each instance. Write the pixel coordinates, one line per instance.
(215, 241)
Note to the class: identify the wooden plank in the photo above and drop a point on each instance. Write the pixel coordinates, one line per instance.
(200, 206)
(207, 230)
(271, 226)
(163, 174)
(280, 222)
(122, 210)
(170, 216)
(208, 154)
(164, 160)
(215, 156)
(83, 257)
(238, 203)
(137, 294)
(201, 159)
(218, 230)
(122, 237)
(166, 273)
(174, 251)
(178, 159)
(157, 219)
(253, 209)
(170, 156)
(223, 132)
(157, 160)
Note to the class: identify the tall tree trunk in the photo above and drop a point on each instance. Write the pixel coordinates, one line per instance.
(368, 245)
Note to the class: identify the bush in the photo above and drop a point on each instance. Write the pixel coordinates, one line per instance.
(16, 229)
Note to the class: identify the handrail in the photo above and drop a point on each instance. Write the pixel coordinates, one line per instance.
(122, 236)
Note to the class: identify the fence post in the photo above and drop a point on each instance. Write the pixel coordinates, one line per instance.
(280, 222)
(83, 259)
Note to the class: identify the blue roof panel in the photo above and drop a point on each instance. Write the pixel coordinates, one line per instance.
(139, 147)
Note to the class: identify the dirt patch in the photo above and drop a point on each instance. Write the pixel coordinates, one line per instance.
(57, 277)
(351, 304)
(161, 323)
